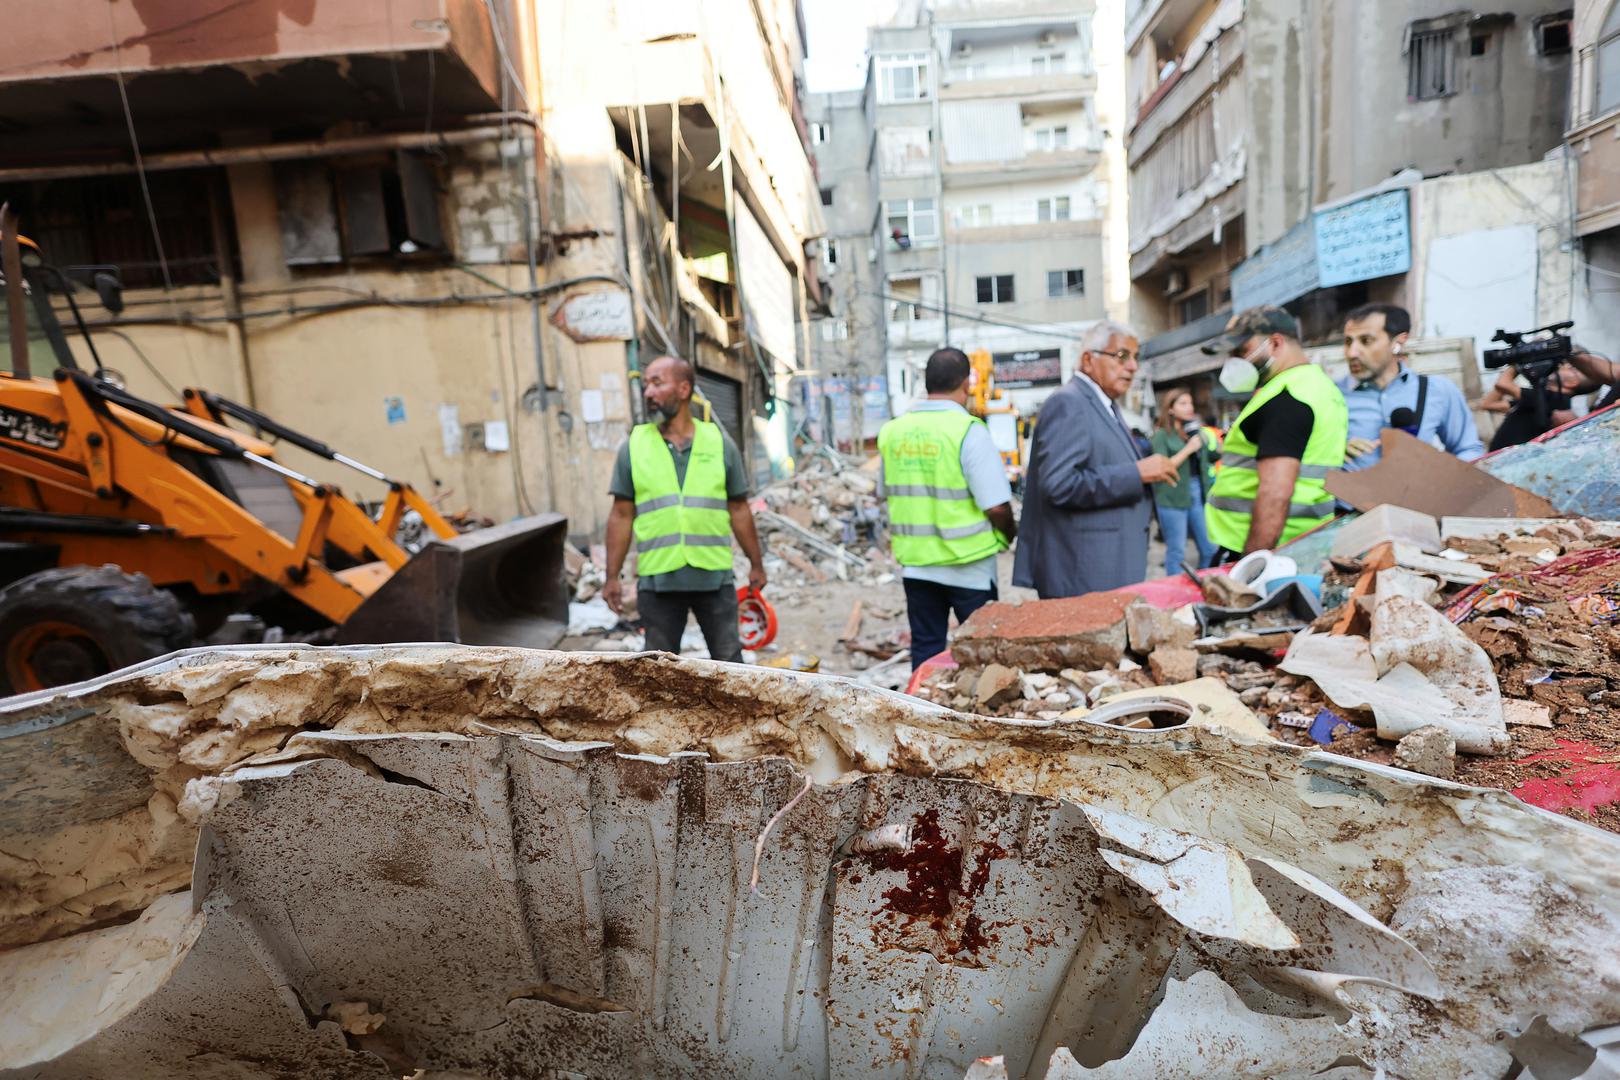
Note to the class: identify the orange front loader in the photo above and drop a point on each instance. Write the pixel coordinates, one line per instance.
(129, 528)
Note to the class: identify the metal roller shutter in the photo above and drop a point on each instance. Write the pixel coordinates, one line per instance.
(725, 397)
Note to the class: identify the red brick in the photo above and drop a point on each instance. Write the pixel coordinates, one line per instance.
(1083, 632)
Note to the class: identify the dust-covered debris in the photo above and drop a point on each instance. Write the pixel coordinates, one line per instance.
(476, 786)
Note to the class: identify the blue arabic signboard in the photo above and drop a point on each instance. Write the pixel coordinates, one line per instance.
(1279, 272)
(1369, 238)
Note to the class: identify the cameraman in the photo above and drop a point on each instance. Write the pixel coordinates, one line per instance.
(1530, 412)
(1600, 372)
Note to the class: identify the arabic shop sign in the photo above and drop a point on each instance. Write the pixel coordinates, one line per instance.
(1369, 238)
(1365, 239)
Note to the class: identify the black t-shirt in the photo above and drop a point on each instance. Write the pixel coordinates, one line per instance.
(1525, 421)
(1281, 427)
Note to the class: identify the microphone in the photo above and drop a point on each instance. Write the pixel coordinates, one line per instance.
(1405, 419)
(1191, 427)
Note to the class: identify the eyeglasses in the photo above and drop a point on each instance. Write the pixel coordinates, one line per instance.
(1124, 356)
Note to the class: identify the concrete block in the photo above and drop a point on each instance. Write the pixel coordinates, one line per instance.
(1148, 628)
(1172, 665)
(1387, 522)
(1430, 750)
(1084, 632)
(997, 685)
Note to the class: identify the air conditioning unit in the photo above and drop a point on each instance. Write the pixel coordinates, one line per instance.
(965, 49)
(1175, 282)
(1047, 39)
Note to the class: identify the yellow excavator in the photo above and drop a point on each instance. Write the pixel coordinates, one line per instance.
(129, 528)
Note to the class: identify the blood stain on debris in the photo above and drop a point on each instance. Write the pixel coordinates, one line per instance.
(934, 884)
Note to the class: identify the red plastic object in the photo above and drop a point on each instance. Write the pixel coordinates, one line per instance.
(756, 619)
(1591, 781)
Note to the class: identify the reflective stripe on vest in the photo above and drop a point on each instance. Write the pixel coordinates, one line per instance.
(1230, 507)
(680, 524)
(933, 518)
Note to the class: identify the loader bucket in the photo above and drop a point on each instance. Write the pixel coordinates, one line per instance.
(497, 586)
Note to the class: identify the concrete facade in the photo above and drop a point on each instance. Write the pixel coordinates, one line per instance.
(404, 230)
(846, 389)
(991, 152)
(1253, 118)
(1594, 145)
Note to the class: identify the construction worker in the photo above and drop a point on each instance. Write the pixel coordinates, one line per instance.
(680, 486)
(1271, 484)
(950, 506)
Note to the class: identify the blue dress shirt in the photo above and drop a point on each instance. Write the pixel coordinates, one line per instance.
(1447, 423)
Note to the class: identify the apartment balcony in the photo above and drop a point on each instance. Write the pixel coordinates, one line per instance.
(251, 64)
(1159, 17)
(1033, 165)
(1025, 231)
(1595, 140)
(1073, 81)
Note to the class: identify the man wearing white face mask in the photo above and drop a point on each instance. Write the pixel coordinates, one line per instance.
(1291, 434)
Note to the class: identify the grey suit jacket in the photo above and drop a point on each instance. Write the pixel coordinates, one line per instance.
(1086, 511)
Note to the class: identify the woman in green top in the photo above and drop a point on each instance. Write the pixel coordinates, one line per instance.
(1181, 506)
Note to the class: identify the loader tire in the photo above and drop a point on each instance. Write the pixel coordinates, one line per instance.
(73, 623)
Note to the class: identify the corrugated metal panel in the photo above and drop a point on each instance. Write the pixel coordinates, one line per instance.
(982, 131)
(767, 289)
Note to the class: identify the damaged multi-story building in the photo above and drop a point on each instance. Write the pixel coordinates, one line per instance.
(974, 165)
(442, 235)
(1594, 143)
(1326, 155)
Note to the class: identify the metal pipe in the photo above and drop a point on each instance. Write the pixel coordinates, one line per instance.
(11, 273)
(239, 155)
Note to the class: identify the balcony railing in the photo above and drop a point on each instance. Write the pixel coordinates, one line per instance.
(961, 71)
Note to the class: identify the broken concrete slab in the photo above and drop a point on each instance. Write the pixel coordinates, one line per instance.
(1386, 524)
(996, 685)
(1046, 635)
(588, 827)
(1520, 713)
(1148, 627)
(1172, 665)
(1429, 750)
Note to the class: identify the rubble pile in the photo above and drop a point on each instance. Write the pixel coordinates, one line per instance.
(1481, 650)
(825, 522)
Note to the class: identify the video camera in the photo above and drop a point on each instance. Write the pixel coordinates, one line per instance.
(1535, 357)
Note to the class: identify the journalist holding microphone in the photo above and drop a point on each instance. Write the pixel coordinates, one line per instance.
(1177, 434)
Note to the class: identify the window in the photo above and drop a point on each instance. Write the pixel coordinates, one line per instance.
(902, 77)
(973, 216)
(1429, 66)
(819, 132)
(911, 221)
(1045, 65)
(1052, 138)
(1052, 209)
(358, 208)
(1608, 63)
(995, 289)
(1553, 35)
(829, 252)
(826, 196)
(1194, 307)
(834, 329)
(96, 221)
(1479, 44)
(1061, 283)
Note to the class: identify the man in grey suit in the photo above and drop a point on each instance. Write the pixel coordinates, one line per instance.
(1086, 503)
